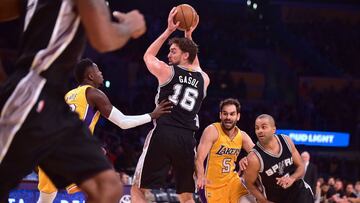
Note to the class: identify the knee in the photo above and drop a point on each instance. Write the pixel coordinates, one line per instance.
(111, 191)
(104, 188)
(186, 198)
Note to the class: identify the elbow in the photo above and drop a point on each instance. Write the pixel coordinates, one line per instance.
(124, 126)
(146, 57)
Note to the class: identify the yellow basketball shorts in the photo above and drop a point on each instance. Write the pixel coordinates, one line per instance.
(45, 185)
(228, 193)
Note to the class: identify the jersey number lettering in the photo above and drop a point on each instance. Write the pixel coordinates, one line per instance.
(226, 165)
(72, 107)
(188, 100)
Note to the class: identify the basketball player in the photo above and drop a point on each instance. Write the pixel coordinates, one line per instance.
(89, 102)
(221, 143)
(278, 164)
(171, 143)
(36, 125)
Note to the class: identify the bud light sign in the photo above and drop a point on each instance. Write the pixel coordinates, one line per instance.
(317, 138)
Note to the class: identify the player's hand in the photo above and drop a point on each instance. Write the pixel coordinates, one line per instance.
(133, 22)
(285, 181)
(171, 25)
(165, 106)
(243, 163)
(188, 33)
(201, 182)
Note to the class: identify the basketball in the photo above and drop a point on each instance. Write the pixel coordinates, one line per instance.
(186, 15)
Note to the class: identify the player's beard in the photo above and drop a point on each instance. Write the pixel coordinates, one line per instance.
(227, 126)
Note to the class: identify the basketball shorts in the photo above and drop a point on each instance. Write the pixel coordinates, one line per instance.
(230, 192)
(45, 184)
(165, 148)
(52, 137)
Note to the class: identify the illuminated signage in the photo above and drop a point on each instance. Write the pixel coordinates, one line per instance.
(317, 138)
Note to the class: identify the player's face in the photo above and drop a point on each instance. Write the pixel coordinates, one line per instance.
(229, 117)
(264, 130)
(97, 75)
(174, 55)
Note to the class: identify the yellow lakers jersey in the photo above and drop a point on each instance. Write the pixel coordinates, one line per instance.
(76, 99)
(221, 160)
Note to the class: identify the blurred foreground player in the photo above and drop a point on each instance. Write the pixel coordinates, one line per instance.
(36, 125)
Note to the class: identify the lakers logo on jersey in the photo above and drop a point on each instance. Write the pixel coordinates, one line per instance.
(227, 150)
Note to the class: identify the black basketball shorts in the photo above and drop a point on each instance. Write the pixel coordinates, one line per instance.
(165, 148)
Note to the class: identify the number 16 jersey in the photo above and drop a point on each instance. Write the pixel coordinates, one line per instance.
(185, 89)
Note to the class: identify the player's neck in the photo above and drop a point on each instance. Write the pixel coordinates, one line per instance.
(231, 133)
(187, 66)
(87, 82)
(273, 146)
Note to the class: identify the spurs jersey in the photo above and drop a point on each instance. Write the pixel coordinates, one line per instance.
(185, 90)
(221, 160)
(273, 166)
(76, 99)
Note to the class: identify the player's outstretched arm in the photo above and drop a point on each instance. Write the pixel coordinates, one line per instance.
(104, 34)
(100, 101)
(208, 138)
(251, 174)
(158, 68)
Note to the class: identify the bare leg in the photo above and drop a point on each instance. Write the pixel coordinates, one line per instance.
(186, 197)
(104, 187)
(46, 197)
(138, 195)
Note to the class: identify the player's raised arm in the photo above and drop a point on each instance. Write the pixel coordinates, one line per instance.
(158, 68)
(104, 34)
(100, 101)
(251, 175)
(208, 138)
(188, 34)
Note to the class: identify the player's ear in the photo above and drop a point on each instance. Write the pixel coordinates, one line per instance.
(238, 116)
(186, 56)
(90, 76)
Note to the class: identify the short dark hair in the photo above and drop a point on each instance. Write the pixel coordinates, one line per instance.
(186, 45)
(270, 118)
(230, 101)
(81, 68)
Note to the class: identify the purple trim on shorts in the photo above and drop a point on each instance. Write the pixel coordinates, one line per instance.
(202, 195)
(89, 116)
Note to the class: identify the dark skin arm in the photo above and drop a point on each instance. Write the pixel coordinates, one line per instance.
(98, 100)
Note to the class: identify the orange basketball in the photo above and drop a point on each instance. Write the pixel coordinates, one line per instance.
(186, 15)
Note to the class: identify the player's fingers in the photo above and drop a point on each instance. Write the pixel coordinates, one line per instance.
(119, 16)
(173, 11)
